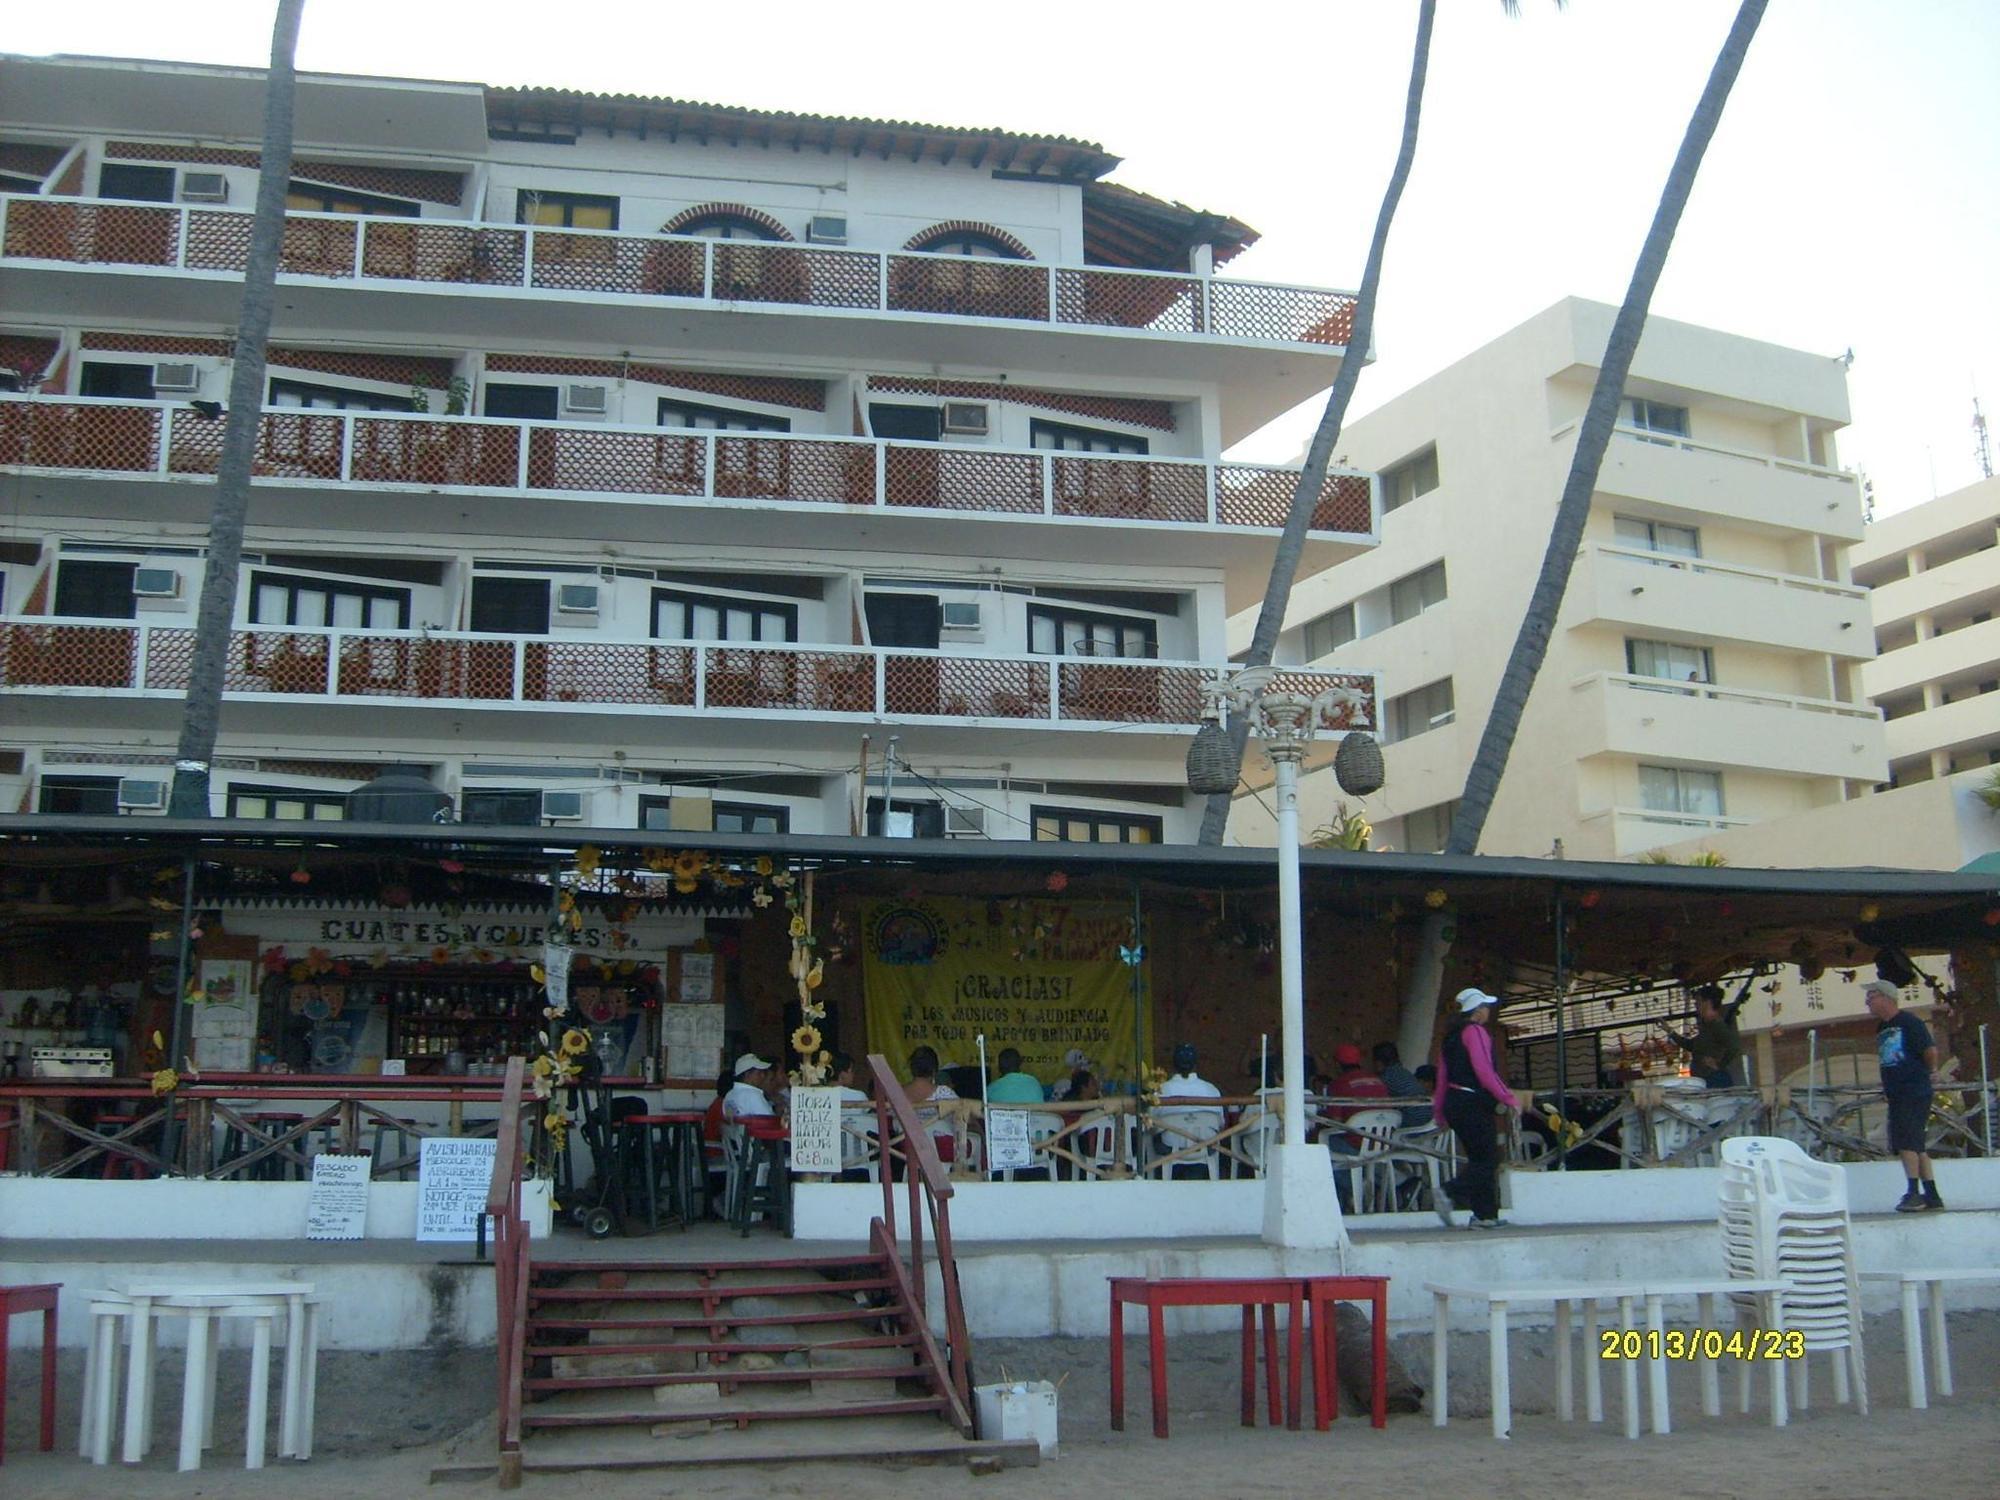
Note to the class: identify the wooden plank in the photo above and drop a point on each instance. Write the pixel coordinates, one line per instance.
(736, 1414)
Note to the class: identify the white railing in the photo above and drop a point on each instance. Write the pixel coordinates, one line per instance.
(1712, 693)
(1626, 432)
(1702, 566)
(500, 257)
(1658, 818)
(581, 460)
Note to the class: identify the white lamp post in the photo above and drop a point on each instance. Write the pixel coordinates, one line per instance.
(1301, 1208)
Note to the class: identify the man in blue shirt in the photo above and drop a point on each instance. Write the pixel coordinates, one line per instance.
(1013, 1086)
(1908, 1056)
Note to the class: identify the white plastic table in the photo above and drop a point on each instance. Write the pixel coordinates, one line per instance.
(202, 1303)
(1565, 1295)
(1930, 1279)
(1711, 1291)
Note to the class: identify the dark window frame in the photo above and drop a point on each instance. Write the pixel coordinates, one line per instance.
(312, 799)
(969, 242)
(345, 398)
(723, 603)
(295, 583)
(729, 418)
(1414, 470)
(700, 228)
(331, 200)
(1093, 437)
(1124, 822)
(569, 203)
(1417, 577)
(1401, 706)
(474, 798)
(1058, 614)
(87, 790)
(1353, 632)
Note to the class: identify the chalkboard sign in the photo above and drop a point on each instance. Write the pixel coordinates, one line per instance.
(337, 1201)
(1007, 1145)
(816, 1130)
(452, 1180)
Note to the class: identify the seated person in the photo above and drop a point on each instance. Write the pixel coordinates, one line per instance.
(1074, 1063)
(1352, 1082)
(1189, 1126)
(1013, 1086)
(1402, 1084)
(856, 1125)
(748, 1097)
(926, 1092)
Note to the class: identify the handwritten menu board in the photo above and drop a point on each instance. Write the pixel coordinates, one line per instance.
(337, 1202)
(1007, 1145)
(452, 1179)
(693, 1037)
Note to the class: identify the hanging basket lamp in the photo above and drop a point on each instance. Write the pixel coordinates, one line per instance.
(1212, 766)
(1357, 764)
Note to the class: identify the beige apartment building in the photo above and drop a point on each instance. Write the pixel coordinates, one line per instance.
(1705, 672)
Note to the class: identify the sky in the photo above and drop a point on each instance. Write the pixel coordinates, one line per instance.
(1847, 202)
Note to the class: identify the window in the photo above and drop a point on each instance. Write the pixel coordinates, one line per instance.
(1670, 789)
(565, 210)
(1426, 830)
(1658, 536)
(923, 820)
(1654, 416)
(1424, 708)
(1075, 825)
(510, 606)
(11, 183)
(1409, 479)
(905, 424)
(1060, 631)
(729, 817)
(333, 397)
(679, 616)
(95, 590)
(310, 197)
(967, 242)
(1069, 439)
(294, 599)
(524, 403)
(495, 807)
(726, 226)
(280, 802)
(1671, 660)
(717, 418)
(1411, 596)
(92, 796)
(121, 382)
(117, 179)
(1329, 632)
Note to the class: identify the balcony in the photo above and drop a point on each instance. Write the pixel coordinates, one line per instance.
(798, 684)
(1652, 593)
(1700, 480)
(1969, 654)
(1634, 830)
(1689, 723)
(1952, 728)
(1945, 589)
(695, 485)
(573, 285)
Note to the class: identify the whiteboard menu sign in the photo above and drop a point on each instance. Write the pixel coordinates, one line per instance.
(697, 978)
(452, 1179)
(693, 1038)
(816, 1130)
(337, 1201)
(1007, 1145)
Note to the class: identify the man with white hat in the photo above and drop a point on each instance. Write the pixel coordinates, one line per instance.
(1908, 1056)
(746, 1096)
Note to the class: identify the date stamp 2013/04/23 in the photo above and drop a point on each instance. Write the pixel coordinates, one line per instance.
(1693, 1344)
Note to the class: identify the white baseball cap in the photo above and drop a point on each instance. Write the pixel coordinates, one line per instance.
(1470, 999)
(1883, 987)
(750, 1062)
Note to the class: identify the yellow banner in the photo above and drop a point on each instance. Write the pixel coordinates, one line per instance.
(1045, 977)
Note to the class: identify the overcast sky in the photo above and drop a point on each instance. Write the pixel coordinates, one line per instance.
(1848, 200)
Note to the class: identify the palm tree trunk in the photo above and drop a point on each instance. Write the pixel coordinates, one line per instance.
(201, 716)
(1312, 478)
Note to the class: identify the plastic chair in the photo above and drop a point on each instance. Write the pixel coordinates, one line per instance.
(1374, 1180)
(1174, 1136)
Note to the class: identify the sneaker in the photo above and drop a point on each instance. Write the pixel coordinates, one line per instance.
(1933, 1203)
(1912, 1203)
(1478, 1223)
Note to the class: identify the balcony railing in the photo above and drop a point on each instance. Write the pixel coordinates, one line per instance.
(1702, 567)
(42, 655)
(585, 459)
(1625, 434)
(1709, 692)
(600, 263)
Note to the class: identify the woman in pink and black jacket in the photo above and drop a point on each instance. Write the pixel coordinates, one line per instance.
(1468, 1095)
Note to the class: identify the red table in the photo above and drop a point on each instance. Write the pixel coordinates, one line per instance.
(1156, 1294)
(26, 1299)
(1321, 1292)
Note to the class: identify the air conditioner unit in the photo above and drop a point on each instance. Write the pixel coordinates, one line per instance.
(156, 583)
(135, 795)
(562, 807)
(965, 416)
(964, 822)
(576, 598)
(176, 377)
(586, 400)
(204, 187)
(962, 614)
(826, 229)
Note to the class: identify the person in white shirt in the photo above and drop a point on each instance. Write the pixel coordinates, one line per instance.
(927, 1093)
(747, 1097)
(1191, 1126)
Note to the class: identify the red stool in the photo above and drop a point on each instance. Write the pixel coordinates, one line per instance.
(25, 1299)
(119, 1162)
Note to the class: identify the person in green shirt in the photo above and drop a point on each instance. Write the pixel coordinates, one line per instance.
(1013, 1086)
(1714, 1047)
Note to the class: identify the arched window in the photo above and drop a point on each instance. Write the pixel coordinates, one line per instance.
(961, 237)
(726, 221)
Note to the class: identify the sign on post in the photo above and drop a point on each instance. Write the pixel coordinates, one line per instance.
(337, 1201)
(1007, 1145)
(816, 1130)
(452, 1179)
(555, 964)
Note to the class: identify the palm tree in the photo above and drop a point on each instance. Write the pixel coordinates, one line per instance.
(1305, 498)
(1531, 643)
(200, 717)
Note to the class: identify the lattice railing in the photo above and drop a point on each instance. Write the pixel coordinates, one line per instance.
(969, 287)
(966, 687)
(1119, 489)
(76, 435)
(580, 672)
(67, 656)
(289, 445)
(1360, 714)
(1131, 692)
(115, 234)
(1280, 314)
(1167, 304)
(764, 468)
(607, 460)
(460, 254)
(481, 454)
(1253, 495)
(931, 477)
(390, 666)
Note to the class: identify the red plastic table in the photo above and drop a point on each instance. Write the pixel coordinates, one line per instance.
(26, 1299)
(1321, 1293)
(1157, 1293)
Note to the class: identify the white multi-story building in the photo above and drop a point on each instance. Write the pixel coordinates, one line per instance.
(1703, 673)
(630, 461)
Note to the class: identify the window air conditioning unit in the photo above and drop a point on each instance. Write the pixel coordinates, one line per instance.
(964, 822)
(176, 377)
(156, 583)
(562, 807)
(576, 598)
(965, 416)
(204, 187)
(961, 614)
(586, 400)
(135, 795)
(826, 229)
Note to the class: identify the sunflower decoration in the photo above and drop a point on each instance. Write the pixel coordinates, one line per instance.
(165, 1081)
(762, 865)
(1152, 1079)
(808, 971)
(587, 860)
(806, 1040)
(575, 1042)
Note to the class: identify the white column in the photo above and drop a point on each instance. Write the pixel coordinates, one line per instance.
(1291, 961)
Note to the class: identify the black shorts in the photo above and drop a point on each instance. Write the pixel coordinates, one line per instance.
(1909, 1115)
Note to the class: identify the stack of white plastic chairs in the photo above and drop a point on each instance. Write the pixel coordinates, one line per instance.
(1784, 1218)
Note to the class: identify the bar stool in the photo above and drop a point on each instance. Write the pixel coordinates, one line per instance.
(643, 1131)
(42, 1298)
(404, 1131)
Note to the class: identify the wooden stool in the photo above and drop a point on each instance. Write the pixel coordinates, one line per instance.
(39, 1298)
